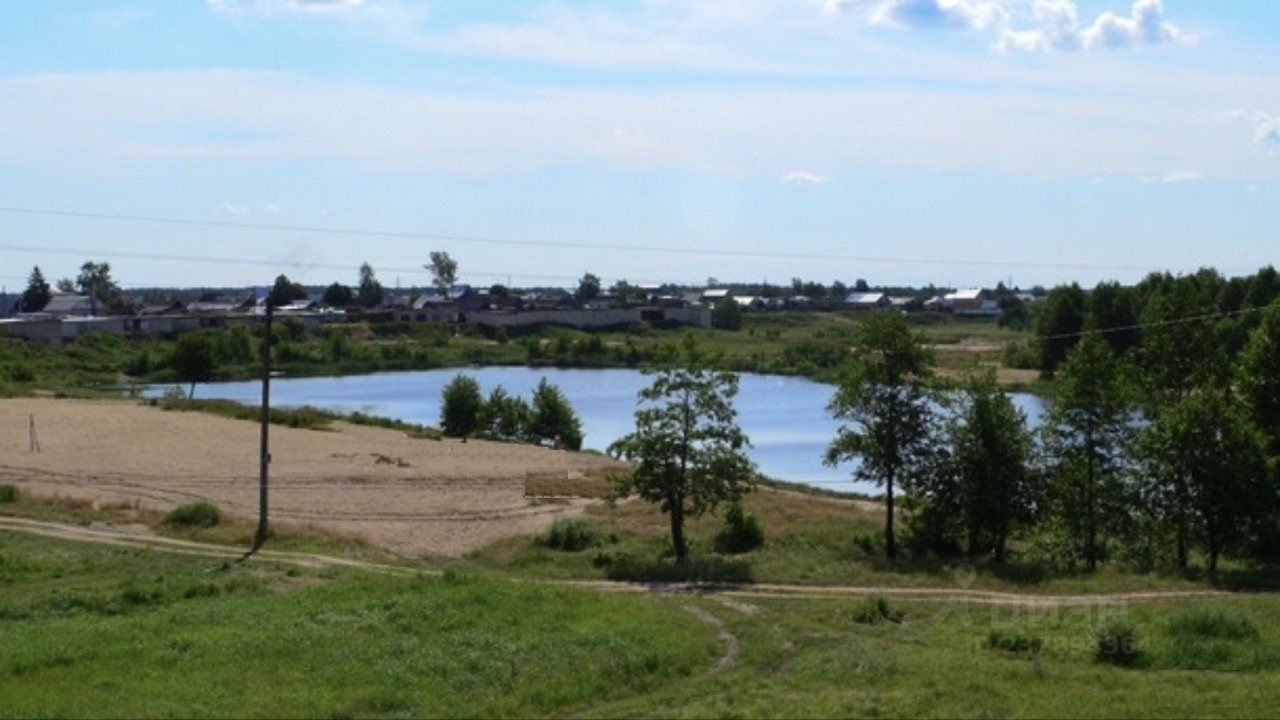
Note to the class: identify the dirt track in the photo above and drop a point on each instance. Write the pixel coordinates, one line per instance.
(416, 497)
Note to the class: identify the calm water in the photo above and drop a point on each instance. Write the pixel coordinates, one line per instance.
(784, 416)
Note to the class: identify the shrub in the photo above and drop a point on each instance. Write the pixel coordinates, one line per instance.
(1212, 623)
(1116, 640)
(874, 609)
(1013, 641)
(572, 534)
(8, 494)
(197, 514)
(741, 531)
(707, 569)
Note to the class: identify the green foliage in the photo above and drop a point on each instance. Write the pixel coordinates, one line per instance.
(505, 417)
(37, 294)
(702, 568)
(444, 271)
(726, 314)
(369, 293)
(193, 359)
(460, 407)
(1115, 639)
(1212, 622)
(573, 534)
(1258, 376)
(1018, 642)
(197, 514)
(8, 493)
(1021, 355)
(874, 609)
(338, 295)
(740, 532)
(688, 450)
(1087, 437)
(1061, 317)
(885, 412)
(285, 291)
(305, 417)
(554, 418)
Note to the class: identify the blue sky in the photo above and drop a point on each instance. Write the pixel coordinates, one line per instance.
(902, 141)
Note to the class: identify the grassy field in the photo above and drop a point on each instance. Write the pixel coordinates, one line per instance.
(97, 631)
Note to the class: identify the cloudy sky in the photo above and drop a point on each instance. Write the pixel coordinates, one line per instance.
(901, 141)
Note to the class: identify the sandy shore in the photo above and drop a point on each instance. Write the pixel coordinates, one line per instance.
(417, 497)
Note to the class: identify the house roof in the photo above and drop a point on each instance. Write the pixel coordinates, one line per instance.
(68, 304)
(865, 298)
(715, 293)
(966, 294)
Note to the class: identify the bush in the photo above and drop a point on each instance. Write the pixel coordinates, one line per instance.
(1013, 641)
(874, 609)
(8, 494)
(1116, 640)
(741, 531)
(707, 569)
(1212, 623)
(197, 514)
(573, 534)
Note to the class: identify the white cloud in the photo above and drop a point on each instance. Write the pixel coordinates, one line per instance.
(1178, 177)
(970, 14)
(1266, 127)
(271, 209)
(231, 208)
(1145, 25)
(803, 177)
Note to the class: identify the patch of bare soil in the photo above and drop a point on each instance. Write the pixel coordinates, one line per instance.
(412, 496)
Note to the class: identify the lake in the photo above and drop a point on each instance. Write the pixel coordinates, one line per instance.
(785, 417)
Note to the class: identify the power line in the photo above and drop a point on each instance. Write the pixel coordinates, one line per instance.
(569, 244)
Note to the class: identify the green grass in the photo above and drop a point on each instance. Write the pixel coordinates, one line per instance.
(99, 631)
(95, 631)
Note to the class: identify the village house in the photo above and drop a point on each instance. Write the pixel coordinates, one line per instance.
(869, 301)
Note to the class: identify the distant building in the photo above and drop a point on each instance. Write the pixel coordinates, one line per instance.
(68, 304)
(972, 301)
(711, 296)
(867, 300)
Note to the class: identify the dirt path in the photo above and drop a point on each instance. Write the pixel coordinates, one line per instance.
(732, 594)
(728, 640)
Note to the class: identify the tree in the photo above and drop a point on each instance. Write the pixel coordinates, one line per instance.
(1058, 325)
(1210, 467)
(444, 271)
(588, 290)
(369, 293)
(1180, 350)
(554, 418)
(1087, 436)
(991, 482)
(65, 285)
(688, 450)
(727, 314)
(338, 295)
(193, 360)
(285, 291)
(887, 415)
(95, 281)
(505, 417)
(1258, 376)
(37, 294)
(460, 407)
(1115, 309)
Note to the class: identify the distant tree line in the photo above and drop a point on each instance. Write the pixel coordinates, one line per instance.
(547, 417)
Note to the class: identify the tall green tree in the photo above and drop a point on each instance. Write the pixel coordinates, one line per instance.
(726, 314)
(990, 447)
(554, 418)
(1181, 349)
(885, 409)
(1258, 376)
(1087, 437)
(1116, 311)
(338, 295)
(193, 360)
(688, 450)
(1209, 464)
(505, 417)
(369, 292)
(1059, 323)
(37, 294)
(285, 291)
(461, 407)
(95, 281)
(444, 271)
(588, 290)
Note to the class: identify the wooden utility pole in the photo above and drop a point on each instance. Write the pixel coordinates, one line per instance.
(32, 437)
(264, 466)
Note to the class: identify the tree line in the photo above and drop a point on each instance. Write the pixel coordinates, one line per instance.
(1139, 459)
(547, 417)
